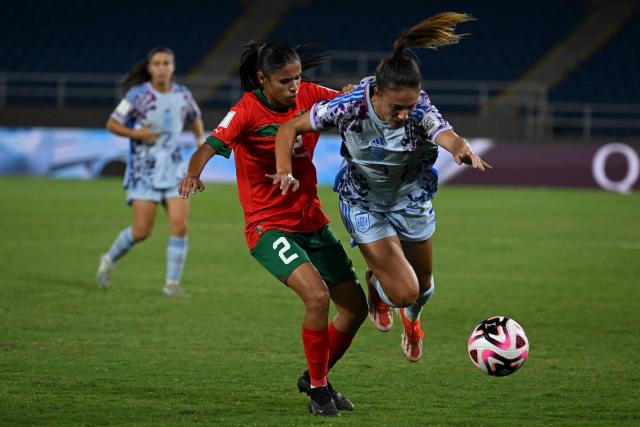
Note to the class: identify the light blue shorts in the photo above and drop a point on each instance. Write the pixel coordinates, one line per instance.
(409, 225)
(157, 195)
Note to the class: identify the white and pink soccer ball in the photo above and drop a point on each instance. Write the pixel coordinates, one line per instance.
(498, 346)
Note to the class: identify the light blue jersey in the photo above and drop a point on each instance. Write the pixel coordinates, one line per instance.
(388, 169)
(158, 166)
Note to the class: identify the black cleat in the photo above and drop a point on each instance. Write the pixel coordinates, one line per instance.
(341, 402)
(321, 404)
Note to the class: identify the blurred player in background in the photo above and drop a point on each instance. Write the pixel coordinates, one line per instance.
(389, 130)
(289, 235)
(152, 114)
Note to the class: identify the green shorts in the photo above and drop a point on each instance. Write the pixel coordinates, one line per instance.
(281, 252)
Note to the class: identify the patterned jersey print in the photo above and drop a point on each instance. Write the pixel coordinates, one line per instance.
(387, 169)
(159, 165)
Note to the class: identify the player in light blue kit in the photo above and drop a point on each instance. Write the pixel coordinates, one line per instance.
(389, 131)
(152, 115)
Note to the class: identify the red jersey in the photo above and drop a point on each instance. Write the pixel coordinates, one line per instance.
(249, 129)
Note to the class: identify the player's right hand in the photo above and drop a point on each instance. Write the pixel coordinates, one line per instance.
(190, 185)
(146, 135)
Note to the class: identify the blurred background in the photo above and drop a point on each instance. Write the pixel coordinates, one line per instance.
(542, 88)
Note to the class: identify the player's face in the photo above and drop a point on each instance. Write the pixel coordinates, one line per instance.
(281, 87)
(394, 105)
(161, 68)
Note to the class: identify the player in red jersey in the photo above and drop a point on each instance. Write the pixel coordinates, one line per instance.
(288, 234)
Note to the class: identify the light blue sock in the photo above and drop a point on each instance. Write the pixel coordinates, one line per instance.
(176, 255)
(121, 245)
(413, 311)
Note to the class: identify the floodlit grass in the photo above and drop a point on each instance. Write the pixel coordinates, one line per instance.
(565, 264)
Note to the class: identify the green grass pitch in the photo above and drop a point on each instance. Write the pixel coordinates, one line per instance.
(563, 263)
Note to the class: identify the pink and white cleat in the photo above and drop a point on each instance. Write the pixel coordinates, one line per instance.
(411, 338)
(379, 312)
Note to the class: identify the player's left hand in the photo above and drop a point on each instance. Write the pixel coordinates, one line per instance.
(286, 180)
(466, 155)
(348, 88)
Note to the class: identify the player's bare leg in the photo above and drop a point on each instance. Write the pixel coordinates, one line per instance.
(144, 213)
(391, 280)
(308, 284)
(350, 303)
(420, 256)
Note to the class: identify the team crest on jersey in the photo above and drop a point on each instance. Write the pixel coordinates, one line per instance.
(377, 149)
(362, 222)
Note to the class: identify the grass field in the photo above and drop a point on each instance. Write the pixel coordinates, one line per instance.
(565, 264)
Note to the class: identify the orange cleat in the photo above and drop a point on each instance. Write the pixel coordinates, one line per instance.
(411, 338)
(379, 312)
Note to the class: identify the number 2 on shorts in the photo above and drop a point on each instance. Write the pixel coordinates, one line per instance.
(281, 241)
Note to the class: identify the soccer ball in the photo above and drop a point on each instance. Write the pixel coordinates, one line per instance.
(498, 346)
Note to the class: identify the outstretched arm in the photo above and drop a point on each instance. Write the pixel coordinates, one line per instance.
(192, 182)
(284, 143)
(461, 150)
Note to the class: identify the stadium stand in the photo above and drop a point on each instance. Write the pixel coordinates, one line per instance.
(106, 37)
(71, 53)
(610, 75)
(503, 44)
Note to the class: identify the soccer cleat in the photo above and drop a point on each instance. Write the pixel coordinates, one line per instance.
(173, 289)
(411, 338)
(379, 312)
(321, 403)
(104, 271)
(341, 402)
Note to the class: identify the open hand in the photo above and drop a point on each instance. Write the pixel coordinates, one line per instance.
(190, 185)
(286, 181)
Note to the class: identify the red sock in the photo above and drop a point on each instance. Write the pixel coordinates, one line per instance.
(339, 342)
(316, 350)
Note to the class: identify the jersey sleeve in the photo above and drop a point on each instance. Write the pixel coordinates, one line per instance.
(193, 111)
(225, 136)
(125, 111)
(331, 113)
(327, 113)
(432, 121)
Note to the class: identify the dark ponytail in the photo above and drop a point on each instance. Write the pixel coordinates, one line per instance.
(139, 73)
(272, 56)
(402, 71)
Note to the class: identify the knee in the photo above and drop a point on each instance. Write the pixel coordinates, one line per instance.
(317, 300)
(406, 299)
(405, 296)
(140, 233)
(179, 228)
